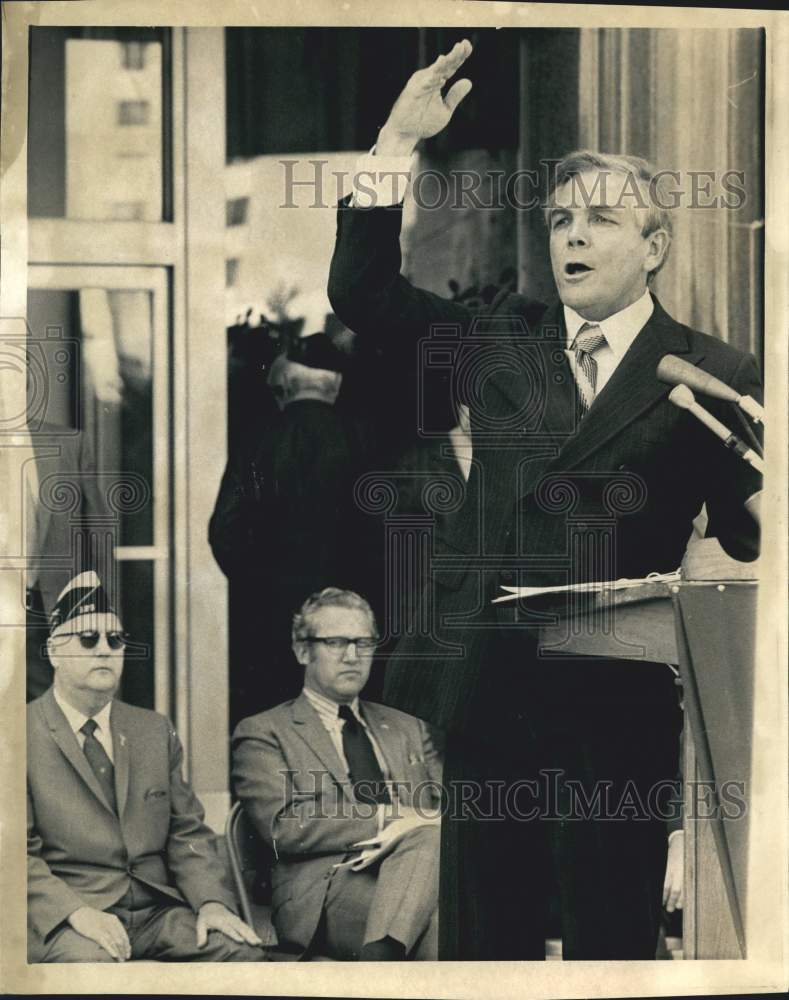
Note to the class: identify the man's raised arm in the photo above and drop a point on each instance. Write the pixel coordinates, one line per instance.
(365, 288)
(421, 110)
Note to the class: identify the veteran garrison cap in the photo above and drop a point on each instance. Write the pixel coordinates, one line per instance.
(83, 595)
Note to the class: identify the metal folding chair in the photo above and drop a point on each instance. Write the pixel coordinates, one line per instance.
(250, 863)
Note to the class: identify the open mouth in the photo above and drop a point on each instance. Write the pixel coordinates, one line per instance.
(575, 268)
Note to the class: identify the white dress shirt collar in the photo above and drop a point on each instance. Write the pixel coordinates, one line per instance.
(77, 720)
(327, 709)
(620, 329)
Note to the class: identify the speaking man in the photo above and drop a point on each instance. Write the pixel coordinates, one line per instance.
(119, 862)
(582, 470)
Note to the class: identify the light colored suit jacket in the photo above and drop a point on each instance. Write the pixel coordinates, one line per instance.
(79, 852)
(296, 792)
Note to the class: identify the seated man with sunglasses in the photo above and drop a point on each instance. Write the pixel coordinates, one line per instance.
(346, 792)
(120, 864)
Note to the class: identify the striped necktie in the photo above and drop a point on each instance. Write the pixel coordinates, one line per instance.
(588, 339)
(99, 761)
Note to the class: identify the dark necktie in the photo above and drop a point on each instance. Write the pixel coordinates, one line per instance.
(362, 763)
(100, 763)
(589, 338)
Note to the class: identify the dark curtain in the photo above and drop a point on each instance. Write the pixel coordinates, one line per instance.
(300, 90)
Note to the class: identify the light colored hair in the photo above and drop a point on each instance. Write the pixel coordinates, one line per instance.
(651, 186)
(329, 597)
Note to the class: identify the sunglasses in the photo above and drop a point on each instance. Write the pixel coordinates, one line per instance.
(89, 640)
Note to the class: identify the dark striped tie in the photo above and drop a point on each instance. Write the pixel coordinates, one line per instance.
(99, 761)
(588, 339)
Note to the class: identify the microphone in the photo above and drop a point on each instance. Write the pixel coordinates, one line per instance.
(675, 371)
(683, 397)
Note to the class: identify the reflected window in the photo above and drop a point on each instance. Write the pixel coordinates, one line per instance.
(133, 55)
(231, 272)
(134, 112)
(96, 122)
(236, 211)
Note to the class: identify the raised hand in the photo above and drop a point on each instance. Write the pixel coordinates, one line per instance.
(421, 110)
(103, 928)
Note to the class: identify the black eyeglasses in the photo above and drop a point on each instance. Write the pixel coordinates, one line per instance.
(89, 640)
(339, 644)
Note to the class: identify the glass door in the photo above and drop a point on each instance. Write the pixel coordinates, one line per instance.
(100, 333)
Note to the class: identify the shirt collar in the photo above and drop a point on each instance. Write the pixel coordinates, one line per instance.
(77, 720)
(619, 330)
(327, 708)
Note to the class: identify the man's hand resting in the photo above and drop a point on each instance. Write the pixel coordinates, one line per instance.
(214, 916)
(103, 928)
(376, 848)
(675, 874)
(421, 111)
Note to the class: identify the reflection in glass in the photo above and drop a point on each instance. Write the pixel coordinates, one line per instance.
(96, 345)
(95, 126)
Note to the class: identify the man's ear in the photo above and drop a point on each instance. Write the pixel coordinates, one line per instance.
(50, 646)
(657, 248)
(301, 652)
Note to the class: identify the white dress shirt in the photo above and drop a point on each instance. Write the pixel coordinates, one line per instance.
(380, 181)
(328, 713)
(619, 330)
(77, 720)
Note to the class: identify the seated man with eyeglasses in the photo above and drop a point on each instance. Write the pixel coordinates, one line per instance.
(120, 864)
(347, 793)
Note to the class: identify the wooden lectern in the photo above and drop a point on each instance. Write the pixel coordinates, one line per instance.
(707, 629)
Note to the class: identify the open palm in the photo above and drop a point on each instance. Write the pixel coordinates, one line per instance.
(421, 110)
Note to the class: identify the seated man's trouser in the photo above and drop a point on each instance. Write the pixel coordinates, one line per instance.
(157, 929)
(397, 898)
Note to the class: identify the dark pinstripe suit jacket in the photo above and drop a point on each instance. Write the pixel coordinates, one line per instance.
(636, 469)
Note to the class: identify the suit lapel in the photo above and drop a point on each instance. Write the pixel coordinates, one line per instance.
(540, 393)
(120, 750)
(390, 744)
(632, 388)
(309, 726)
(63, 735)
